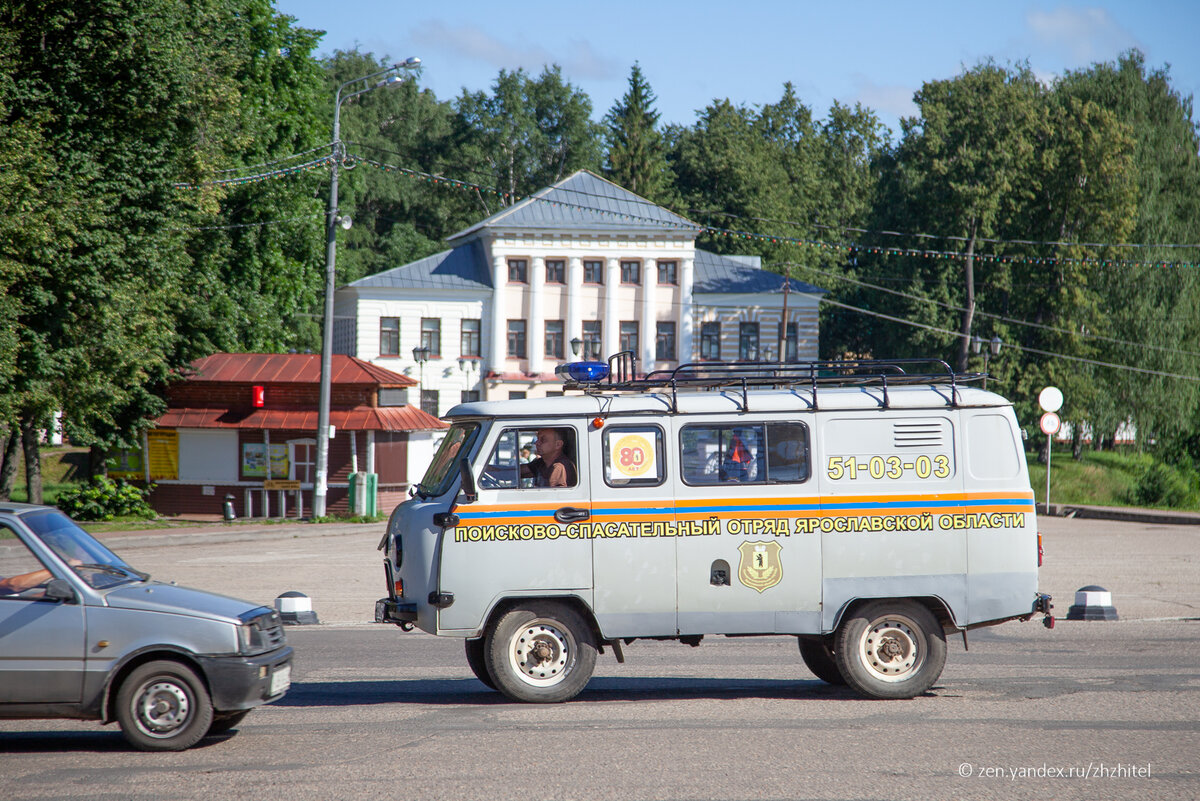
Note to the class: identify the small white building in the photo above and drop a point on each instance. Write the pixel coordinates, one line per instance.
(581, 269)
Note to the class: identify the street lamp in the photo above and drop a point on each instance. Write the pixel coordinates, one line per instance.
(993, 349)
(576, 343)
(332, 221)
(420, 356)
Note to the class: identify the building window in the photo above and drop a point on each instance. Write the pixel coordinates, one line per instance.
(429, 401)
(748, 342)
(514, 394)
(556, 271)
(791, 343)
(516, 339)
(469, 396)
(592, 339)
(431, 336)
(393, 396)
(629, 335)
(389, 336)
(664, 342)
(469, 345)
(518, 271)
(710, 342)
(631, 272)
(667, 272)
(593, 272)
(304, 460)
(554, 339)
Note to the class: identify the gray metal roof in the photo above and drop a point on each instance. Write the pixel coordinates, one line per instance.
(583, 201)
(464, 267)
(737, 274)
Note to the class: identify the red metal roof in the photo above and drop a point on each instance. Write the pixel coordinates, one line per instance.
(379, 418)
(299, 368)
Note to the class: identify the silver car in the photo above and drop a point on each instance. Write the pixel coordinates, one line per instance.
(85, 635)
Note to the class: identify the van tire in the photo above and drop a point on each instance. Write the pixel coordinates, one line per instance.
(563, 659)
(891, 649)
(163, 706)
(818, 657)
(477, 660)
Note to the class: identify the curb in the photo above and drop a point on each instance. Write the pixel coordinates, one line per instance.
(1122, 514)
(221, 534)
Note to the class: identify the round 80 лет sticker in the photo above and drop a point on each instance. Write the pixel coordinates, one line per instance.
(633, 456)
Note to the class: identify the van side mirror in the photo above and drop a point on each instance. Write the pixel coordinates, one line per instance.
(466, 489)
(59, 590)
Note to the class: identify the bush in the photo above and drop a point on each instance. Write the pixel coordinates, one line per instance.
(1161, 486)
(102, 498)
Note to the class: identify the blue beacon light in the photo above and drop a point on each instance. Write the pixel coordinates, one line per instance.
(583, 372)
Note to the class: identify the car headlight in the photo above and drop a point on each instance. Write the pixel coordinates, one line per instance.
(260, 634)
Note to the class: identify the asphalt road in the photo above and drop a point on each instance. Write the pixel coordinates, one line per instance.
(1089, 710)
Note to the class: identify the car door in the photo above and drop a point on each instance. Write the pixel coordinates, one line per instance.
(41, 641)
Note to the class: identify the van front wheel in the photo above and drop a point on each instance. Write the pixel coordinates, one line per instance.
(891, 649)
(540, 652)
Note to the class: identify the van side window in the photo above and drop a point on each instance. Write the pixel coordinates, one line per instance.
(633, 456)
(518, 463)
(759, 453)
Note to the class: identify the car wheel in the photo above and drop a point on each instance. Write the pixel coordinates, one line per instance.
(163, 706)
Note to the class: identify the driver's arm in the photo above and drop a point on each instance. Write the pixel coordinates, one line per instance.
(24, 581)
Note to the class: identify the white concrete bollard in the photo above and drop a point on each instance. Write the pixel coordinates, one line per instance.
(1092, 603)
(295, 608)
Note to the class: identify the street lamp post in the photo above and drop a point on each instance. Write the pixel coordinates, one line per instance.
(332, 221)
(993, 349)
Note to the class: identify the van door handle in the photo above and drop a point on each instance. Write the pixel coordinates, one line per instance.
(569, 514)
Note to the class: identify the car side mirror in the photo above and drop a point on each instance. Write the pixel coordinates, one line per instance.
(59, 590)
(466, 490)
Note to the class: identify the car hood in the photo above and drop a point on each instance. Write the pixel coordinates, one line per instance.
(154, 596)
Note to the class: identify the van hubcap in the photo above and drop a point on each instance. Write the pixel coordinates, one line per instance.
(539, 653)
(890, 649)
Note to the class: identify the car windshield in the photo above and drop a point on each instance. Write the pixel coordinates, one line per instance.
(458, 441)
(90, 560)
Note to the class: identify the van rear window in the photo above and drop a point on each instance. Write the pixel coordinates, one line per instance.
(756, 453)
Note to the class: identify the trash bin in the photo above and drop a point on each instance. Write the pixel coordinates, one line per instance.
(364, 489)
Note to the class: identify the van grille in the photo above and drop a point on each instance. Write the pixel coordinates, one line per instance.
(923, 434)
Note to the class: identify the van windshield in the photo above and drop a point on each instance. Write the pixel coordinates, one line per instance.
(458, 441)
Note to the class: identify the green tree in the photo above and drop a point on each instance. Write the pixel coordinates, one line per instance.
(637, 153)
(527, 134)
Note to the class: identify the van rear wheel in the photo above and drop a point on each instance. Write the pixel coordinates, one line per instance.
(891, 649)
(540, 652)
(818, 657)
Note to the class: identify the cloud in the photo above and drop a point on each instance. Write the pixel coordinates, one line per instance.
(578, 58)
(888, 101)
(1085, 35)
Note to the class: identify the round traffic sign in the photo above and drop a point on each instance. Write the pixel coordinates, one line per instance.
(1050, 399)
(1050, 423)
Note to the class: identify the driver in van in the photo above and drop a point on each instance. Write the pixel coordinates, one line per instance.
(551, 468)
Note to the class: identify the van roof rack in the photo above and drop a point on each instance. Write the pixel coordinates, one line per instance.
(883, 373)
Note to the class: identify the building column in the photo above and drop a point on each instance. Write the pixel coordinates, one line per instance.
(612, 326)
(687, 312)
(499, 339)
(535, 344)
(574, 321)
(649, 313)
(370, 451)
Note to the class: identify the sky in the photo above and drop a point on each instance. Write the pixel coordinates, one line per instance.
(851, 51)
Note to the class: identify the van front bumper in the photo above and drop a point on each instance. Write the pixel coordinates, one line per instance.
(390, 610)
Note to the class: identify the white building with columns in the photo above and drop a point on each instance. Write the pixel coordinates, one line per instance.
(581, 269)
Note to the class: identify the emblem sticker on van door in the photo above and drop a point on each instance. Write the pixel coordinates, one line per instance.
(760, 568)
